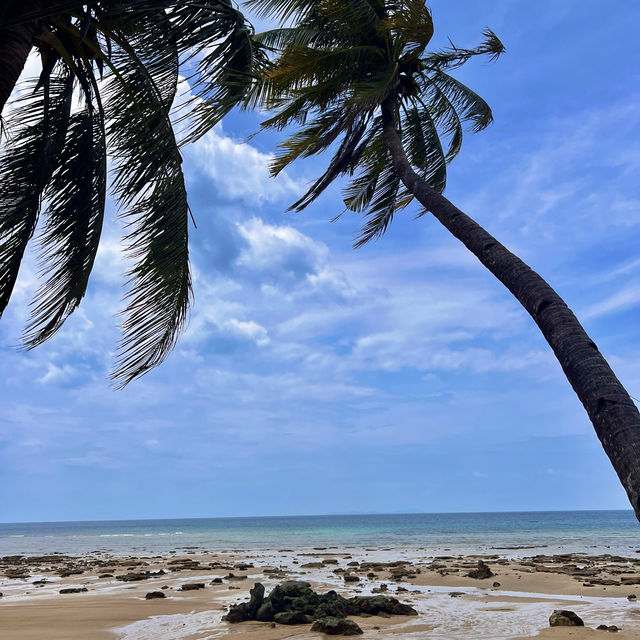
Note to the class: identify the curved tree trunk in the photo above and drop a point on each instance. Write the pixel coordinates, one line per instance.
(16, 43)
(615, 417)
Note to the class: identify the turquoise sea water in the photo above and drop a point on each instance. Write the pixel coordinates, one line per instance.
(549, 531)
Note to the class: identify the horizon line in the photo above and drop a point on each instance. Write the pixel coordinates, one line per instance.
(315, 515)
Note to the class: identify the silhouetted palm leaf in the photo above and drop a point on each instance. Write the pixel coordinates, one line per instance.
(70, 238)
(59, 158)
(37, 129)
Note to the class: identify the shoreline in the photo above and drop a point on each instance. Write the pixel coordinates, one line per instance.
(508, 533)
(514, 603)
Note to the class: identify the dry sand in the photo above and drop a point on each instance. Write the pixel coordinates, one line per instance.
(515, 603)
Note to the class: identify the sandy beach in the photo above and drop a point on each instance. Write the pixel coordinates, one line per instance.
(515, 602)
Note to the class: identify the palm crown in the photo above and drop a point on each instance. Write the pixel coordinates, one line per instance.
(55, 157)
(342, 62)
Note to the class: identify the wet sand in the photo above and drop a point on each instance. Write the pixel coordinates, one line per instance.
(515, 602)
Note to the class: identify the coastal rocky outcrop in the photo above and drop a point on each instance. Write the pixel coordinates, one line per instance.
(565, 618)
(481, 572)
(140, 575)
(294, 602)
(336, 627)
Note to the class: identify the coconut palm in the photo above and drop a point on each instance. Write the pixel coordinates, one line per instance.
(122, 59)
(356, 76)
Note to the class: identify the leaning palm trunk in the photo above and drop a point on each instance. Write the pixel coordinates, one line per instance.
(612, 412)
(343, 65)
(15, 44)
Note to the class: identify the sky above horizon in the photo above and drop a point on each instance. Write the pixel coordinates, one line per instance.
(316, 379)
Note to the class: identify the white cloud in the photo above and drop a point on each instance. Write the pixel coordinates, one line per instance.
(110, 265)
(394, 351)
(541, 201)
(250, 329)
(238, 170)
(93, 460)
(622, 300)
(57, 374)
(272, 248)
(627, 267)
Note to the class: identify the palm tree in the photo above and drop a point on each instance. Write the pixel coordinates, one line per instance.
(123, 59)
(356, 75)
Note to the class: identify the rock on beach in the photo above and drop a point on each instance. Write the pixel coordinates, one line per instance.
(565, 618)
(336, 627)
(294, 602)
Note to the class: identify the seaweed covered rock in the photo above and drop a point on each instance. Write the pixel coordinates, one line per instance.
(332, 606)
(482, 572)
(292, 617)
(294, 602)
(375, 605)
(247, 610)
(136, 575)
(565, 618)
(336, 627)
(266, 612)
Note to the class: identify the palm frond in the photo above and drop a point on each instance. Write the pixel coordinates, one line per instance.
(342, 162)
(149, 183)
(299, 66)
(373, 91)
(317, 136)
(282, 9)
(153, 43)
(376, 190)
(228, 72)
(455, 57)
(355, 18)
(161, 282)
(333, 70)
(372, 159)
(75, 197)
(360, 191)
(227, 77)
(280, 39)
(357, 195)
(445, 116)
(38, 125)
(382, 207)
(411, 24)
(423, 146)
(466, 103)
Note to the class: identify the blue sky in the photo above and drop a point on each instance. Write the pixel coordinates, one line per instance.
(401, 377)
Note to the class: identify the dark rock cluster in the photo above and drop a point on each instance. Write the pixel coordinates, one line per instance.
(482, 572)
(294, 602)
(139, 575)
(336, 627)
(565, 618)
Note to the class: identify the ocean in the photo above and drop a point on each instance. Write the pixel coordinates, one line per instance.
(510, 534)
